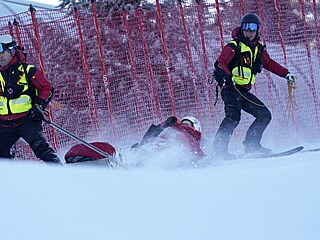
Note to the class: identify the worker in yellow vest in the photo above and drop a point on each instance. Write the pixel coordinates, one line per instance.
(235, 71)
(24, 94)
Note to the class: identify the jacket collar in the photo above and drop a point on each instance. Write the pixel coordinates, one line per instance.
(16, 60)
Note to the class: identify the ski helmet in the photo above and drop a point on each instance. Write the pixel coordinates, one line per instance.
(7, 43)
(195, 123)
(250, 21)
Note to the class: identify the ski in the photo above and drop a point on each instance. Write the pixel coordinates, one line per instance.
(311, 150)
(275, 155)
(99, 162)
(104, 162)
(287, 153)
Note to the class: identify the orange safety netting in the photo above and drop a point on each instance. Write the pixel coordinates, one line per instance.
(115, 74)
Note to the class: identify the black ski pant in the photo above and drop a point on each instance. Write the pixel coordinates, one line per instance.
(236, 99)
(32, 132)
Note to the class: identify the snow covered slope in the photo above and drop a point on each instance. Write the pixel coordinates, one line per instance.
(246, 199)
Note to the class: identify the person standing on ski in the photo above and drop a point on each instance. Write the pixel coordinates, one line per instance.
(24, 94)
(235, 71)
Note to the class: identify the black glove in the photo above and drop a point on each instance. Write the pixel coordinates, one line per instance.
(218, 73)
(171, 121)
(228, 79)
(36, 112)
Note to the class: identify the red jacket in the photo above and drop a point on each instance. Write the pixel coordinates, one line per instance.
(182, 135)
(268, 63)
(192, 139)
(38, 80)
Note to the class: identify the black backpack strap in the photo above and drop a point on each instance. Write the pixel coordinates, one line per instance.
(219, 73)
(236, 46)
(257, 64)
(29, 74)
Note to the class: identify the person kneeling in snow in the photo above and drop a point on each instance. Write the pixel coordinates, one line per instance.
(184, 135)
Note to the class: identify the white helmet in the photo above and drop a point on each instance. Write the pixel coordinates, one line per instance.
(195, 123)
(7, 42)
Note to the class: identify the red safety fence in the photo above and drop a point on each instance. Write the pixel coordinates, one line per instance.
(115, 74)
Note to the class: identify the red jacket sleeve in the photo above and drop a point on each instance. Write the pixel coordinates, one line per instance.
(226, 56)
(40, 82)
(271, 65)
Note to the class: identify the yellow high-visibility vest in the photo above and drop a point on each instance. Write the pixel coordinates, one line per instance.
(242, 73)
(22, 102)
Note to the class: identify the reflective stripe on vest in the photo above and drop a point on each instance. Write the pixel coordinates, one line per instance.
(20, 104)
(242, 74)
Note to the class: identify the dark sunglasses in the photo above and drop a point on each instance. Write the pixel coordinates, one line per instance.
(249, 26)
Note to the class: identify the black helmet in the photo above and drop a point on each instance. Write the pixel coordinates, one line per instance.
(7, 43)
(250, 18)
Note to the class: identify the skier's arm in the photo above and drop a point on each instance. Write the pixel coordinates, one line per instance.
(155, 130)
(272, 66)
(44, 88)
(226, 56)
(221, 71)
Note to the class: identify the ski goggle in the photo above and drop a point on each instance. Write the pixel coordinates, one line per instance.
(1, 48)
(187, 122)
(249, 26)
(4, 48)
(6, 43)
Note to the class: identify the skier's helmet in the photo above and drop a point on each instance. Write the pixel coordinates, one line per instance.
(193, 122)
(250, 21)
(7, 43)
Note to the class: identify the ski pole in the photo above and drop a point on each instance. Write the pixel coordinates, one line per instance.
(109, 157)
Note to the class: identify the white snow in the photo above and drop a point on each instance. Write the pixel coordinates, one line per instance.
(245, 199)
